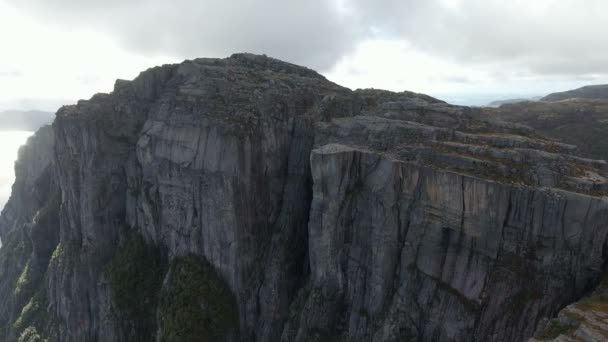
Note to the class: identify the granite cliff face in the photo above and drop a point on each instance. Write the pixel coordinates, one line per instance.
(248, 199)
(29, 228)
(582, 122)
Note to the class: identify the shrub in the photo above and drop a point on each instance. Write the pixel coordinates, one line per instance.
(135, 275)
(196, 304)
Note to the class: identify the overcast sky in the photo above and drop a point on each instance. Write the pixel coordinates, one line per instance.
(471, 52)
(463, 51)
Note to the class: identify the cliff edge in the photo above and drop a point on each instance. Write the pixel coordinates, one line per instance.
(248, 199)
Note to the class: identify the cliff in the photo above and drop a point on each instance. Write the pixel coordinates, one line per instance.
(29, 229)
(581, 122)
(248, 199)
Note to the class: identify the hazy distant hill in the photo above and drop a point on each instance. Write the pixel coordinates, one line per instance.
(18, 120)
(499, 103)
(598, 92)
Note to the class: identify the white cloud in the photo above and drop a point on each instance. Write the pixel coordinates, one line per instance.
(69, 49)
(557, 37)
(56, 64)
(397, 65)
(312, 32)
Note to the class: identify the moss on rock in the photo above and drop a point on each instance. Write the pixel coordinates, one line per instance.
(31, 334)
(196, 304)
(30, 324)
(555, 328)
(23, 281)
(135, 275)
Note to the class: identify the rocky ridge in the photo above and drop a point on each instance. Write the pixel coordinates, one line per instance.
(597, 92)
(297, 210)
(580, 122)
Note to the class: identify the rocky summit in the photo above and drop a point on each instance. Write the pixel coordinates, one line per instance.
(248, 199)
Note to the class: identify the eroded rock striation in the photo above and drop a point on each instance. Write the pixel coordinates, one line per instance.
(29, 229)
(581, 122)
(248, 199)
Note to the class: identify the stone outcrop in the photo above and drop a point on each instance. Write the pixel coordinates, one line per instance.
(580, 122)
(295, 209)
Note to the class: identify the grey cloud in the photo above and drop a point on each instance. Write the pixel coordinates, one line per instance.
(308, 32)
(544, 37)
(564, 37)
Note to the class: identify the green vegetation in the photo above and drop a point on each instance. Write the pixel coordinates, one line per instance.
(33, 318)
(31, 335)
(58, 253)
(557, 327)
(23, 280)
(135, 274)
(14, 249)
(598, 300)
(196, 304)
(13, 255)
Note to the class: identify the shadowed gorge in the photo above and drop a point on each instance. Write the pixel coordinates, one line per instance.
(249, 199)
